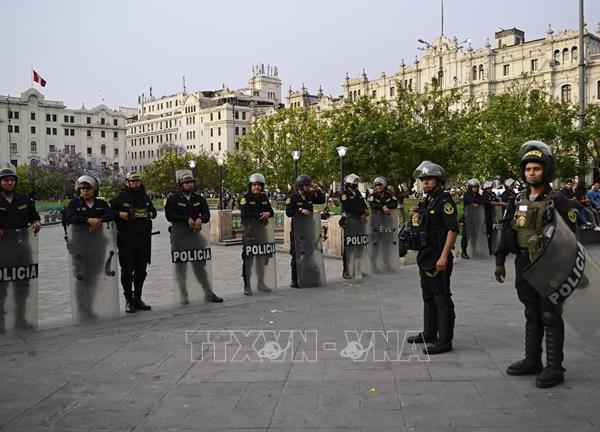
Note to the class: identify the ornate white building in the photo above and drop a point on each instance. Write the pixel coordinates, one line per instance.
(37, 127)
(200, 121)
(552, 61)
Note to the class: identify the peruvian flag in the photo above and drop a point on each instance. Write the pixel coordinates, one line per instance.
(38, 79)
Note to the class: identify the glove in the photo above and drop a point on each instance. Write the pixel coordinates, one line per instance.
(500, 272)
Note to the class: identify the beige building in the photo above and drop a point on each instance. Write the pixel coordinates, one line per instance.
(38, 127)
(200, 121)
(550, 61)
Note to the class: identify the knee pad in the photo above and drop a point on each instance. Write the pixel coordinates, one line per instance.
(551, 319)
(532, 315)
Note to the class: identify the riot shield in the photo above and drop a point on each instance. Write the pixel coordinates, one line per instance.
(356, 247)
(477, 247)
(497, 214)
(258, 252)
(191, 256)
(384, 242)
(18, 279)
(93, 274)
(308, 246)
(567, 276)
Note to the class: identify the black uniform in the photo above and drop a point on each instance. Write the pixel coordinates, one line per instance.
(353, 206)
(178, 210)
(436, 217)
(251, 206)
(384, 199)
(489, 216)
(16, 215)
(470, 198)
(507, 195)
(540, 314)
(87, 267)
(134, 239)
(294, 206)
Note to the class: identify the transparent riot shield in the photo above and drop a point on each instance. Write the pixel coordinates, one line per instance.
(565, 274)
(477, 247)
(18, 279)
(356, 247)
(497, 213)
(258, 252)
(308, 246)
(93, 276)
(384, 242)
(191, 256)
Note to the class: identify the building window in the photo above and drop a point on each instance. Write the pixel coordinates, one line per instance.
(66, 149)
(116, 166)
(556, 57)
(506, 70)
(32, 129)
(103, 150)
(51, 148)
(598, 89)
(54, 131)
(480, 71)
(89, 133)
(243, 115)
(116, 152)
(33, 147)
(115, 135)
(237, 129)
(565, 93)
(72, 132)
(115, 122)
(14, 148)
(48, 131)
(534, 65)
(219, 115)
(88, 120)
(13, 129)
(66, 118)
(392, 91)
(13, 115)
(574, 53)
(72, 118)
(219, 145)
(243, 131)
(32, 116)
(102, 134)
(211, 131)
(219, 131)
(237, 115)
(211, 147)
(47, 117)
(374, 94)
(89, 150)
(211, 116)
(565, 55)
(102, 120)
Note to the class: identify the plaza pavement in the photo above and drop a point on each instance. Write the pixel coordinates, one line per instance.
(139, 373)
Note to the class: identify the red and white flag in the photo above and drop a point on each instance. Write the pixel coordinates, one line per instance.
(38, 79)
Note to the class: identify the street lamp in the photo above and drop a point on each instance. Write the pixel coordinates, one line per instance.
(342, 152)
(192, 164)
(296, 156)
(220, 161)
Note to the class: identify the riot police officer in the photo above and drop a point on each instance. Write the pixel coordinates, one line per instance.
(354, 207)
(16, 212)
(134, 214)
(382, 199)
(473, 198)
(523, 223)
(188, 207)
(434, 226)
(509, 191)
(87, 209)
(301, 203)
(255, 206)
(492, 202)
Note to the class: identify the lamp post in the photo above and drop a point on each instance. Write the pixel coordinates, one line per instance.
(220, 161)
(342, 152)
(296, 156)
(192, 165)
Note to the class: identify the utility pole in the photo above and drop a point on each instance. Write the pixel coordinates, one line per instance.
(581, 116)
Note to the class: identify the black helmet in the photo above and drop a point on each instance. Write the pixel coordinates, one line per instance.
(430, 169)
(537, 151)
(302, 180)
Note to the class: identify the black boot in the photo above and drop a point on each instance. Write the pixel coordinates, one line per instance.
(429, 334)
(139, 304)
(553, 373)
(464, 254)
(446, 317)
(247, 290)
(212, 297)
(129, 306)
(534, 332)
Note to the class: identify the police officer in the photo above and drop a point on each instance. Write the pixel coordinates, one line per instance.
(255, 206)
(473, 198)
(16, 212)
(524, 220)
(492, 202)
(301, 203)
(434, 220)
(354, 207)
(87, 209)
(134, 214)
(188, 207)
(509, 191)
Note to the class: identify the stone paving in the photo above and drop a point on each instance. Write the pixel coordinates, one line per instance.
(149, 371)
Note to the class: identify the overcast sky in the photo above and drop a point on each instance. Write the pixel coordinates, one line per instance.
(114, 50)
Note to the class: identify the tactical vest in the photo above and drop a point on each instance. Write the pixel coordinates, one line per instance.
(528, 221)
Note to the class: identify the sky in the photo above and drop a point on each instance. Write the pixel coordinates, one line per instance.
(112, 51)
